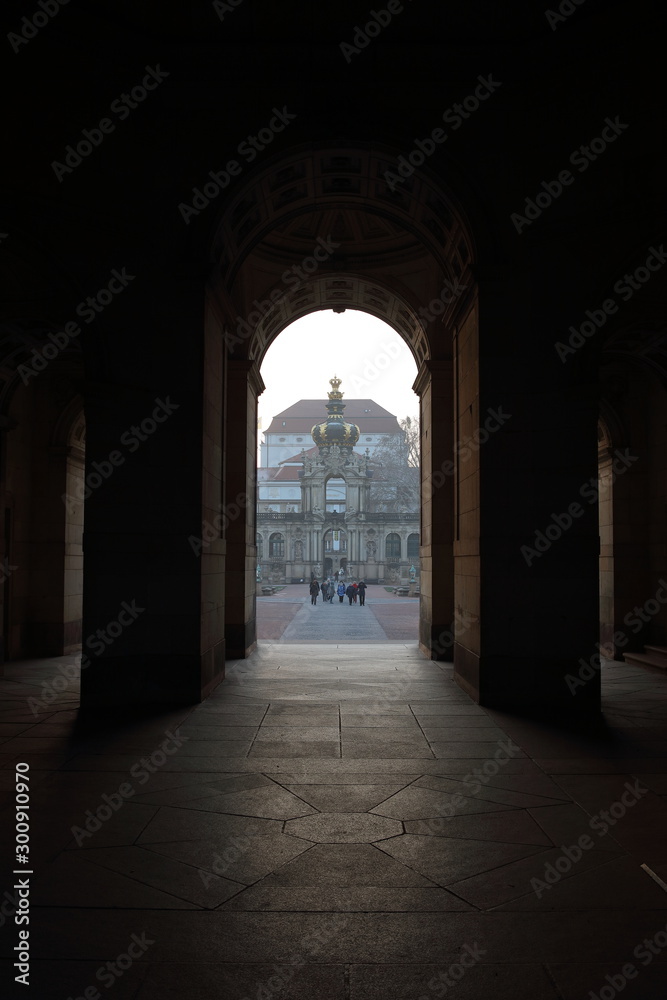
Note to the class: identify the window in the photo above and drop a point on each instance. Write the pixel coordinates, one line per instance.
(392, 546)
(277, 546)
(335, 541)
(336, 495)
(299, 439)
(413, 546)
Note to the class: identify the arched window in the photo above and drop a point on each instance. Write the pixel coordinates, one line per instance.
(260, 547)
(413, 546)
(277, 546)
(392, 546)
(336, 494)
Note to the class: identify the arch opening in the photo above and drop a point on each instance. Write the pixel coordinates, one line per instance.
(294, 242)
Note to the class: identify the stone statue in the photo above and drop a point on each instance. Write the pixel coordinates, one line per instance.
(258, 572)
(413, 573)
(298, 550)
(371, 549)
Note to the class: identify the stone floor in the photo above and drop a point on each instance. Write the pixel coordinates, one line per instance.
(339, 823)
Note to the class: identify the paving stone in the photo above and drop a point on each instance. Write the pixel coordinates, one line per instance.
(383, 736)
(515, 881)
(392, 713)
(513, 826)
(409, 982)
(72, 880)
(437, 938)
(236, 856)
(197, 791)
(290, 980)
(452, 734)
(565, 823)
(616, 882)
(217, 734)
(388, 750)
(274, 733)
(123, 827)
(345, 798)
(14, 728)
(472, 748)
(183, 823)
(420, 803)
(346, 865)
(58, 980)
(537, 784)
(577, 980)
(184, 881)
(344, 828)
(481, 790)
(269, 801)
(445, 860)
(364, 900)
(347, 773)
(305, 720)
(205, 748)
(425, 712)
(295, 748)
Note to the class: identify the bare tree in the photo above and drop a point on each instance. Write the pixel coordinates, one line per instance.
(395, 483)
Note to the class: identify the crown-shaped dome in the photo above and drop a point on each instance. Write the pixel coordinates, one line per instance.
(335, 429)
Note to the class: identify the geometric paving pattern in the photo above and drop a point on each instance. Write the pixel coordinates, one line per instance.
(342, 823)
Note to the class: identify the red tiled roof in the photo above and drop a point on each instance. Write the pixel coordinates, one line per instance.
(311, 453)
(289, 474)
(270, 475)
(302, 416)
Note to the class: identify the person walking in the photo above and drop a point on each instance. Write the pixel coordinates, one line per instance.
(325, 591)
(332, 591)
(355, 587)
(350, 594)
(362, 593)
(340, 590)
(314, 591)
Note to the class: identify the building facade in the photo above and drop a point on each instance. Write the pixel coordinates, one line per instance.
(318, 512)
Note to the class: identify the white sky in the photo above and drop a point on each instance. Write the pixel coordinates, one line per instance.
(370, 358)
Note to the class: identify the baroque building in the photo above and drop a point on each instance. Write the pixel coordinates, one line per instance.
(318, 513)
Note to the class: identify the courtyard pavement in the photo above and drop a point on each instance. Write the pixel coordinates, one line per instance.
(290, 617)
(340, 823)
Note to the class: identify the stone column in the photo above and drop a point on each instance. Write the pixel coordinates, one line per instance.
(244, 386)
(434, 385)
(152, 622)
(526, 537)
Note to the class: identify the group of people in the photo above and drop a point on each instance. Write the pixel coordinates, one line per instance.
(354, 592)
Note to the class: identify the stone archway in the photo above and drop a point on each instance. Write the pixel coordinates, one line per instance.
(320, 229)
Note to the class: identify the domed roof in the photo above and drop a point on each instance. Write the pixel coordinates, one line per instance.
(335, 429)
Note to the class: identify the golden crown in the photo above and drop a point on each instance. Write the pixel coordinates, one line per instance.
(335, 383)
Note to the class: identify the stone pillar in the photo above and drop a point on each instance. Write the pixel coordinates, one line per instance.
(526, 545)
(152, 622)
(244, 386)
(434, 385)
